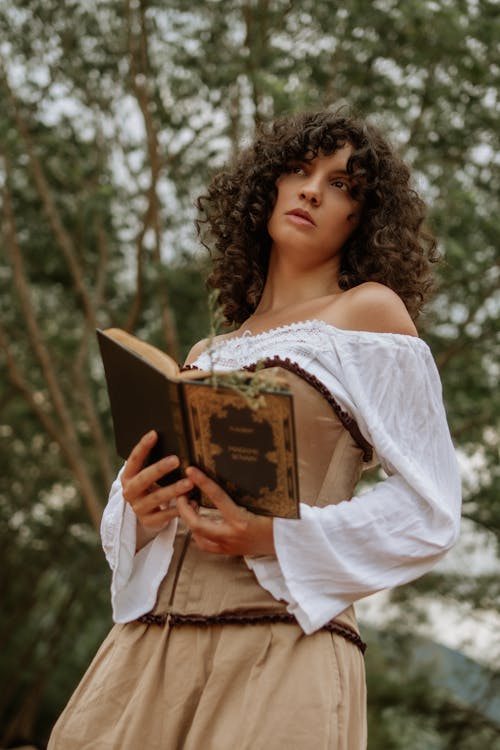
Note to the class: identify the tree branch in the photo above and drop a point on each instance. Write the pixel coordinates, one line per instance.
(140, 74)
(62, 237)
(89, 495)
(65, 435)
(84, 396)
(83, 392)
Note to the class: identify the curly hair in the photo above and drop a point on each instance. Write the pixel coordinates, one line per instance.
(390, 244)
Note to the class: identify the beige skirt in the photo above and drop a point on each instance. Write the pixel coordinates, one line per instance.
(221, 687)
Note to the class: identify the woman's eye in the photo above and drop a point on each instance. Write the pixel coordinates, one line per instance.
(340, 184)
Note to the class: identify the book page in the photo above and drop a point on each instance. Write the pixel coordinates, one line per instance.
(150, 353)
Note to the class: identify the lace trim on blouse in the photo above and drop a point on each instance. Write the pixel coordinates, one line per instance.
(314, 327)
(302, 335)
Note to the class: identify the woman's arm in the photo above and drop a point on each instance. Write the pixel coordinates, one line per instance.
(138, 529)
(400, 528)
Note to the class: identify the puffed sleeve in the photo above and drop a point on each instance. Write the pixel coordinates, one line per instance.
(399, 529)
(135, 577)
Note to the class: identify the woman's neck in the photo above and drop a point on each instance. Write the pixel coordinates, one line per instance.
(290, 287)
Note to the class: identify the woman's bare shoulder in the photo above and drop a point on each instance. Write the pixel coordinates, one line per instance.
(372, 307)
(198, 349)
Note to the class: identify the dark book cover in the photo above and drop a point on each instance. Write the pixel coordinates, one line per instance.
(142, 398)
(247, 447)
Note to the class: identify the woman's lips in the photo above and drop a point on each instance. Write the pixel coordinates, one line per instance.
(299, 216)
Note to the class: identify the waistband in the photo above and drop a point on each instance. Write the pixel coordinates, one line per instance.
(174, 620)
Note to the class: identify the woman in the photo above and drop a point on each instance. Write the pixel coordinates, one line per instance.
(237, 630)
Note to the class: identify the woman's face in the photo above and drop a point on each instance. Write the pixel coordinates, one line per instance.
(315, 212)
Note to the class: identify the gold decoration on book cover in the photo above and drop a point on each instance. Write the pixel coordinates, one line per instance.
(248, 451)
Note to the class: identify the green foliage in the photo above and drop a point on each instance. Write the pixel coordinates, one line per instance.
(113, 116)
(421, 696)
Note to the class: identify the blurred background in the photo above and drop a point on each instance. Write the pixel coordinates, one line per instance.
(113, 116)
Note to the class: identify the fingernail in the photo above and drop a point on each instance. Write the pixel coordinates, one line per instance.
(150, 436)
(185, 484)
(167, 462)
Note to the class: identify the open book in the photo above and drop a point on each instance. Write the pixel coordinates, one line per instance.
(237, 427)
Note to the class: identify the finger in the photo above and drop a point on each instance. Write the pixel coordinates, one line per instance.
(158, 519)
(139, 484)
(207, 545)
(138, 454)
(187, 512)
(218, 532)
(229, 510)
(163, 496)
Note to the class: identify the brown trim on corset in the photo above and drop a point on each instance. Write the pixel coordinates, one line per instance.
(349, 422)
(242, 618)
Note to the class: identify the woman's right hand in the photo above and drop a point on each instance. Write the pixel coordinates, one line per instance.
(154, 506)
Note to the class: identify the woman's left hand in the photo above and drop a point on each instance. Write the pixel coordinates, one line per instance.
(236, 532)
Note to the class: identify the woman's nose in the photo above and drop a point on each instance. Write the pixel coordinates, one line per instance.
(311, 193)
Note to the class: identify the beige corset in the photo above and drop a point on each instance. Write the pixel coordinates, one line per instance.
(330, 461)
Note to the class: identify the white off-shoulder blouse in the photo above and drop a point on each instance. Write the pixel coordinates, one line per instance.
(336, 554)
